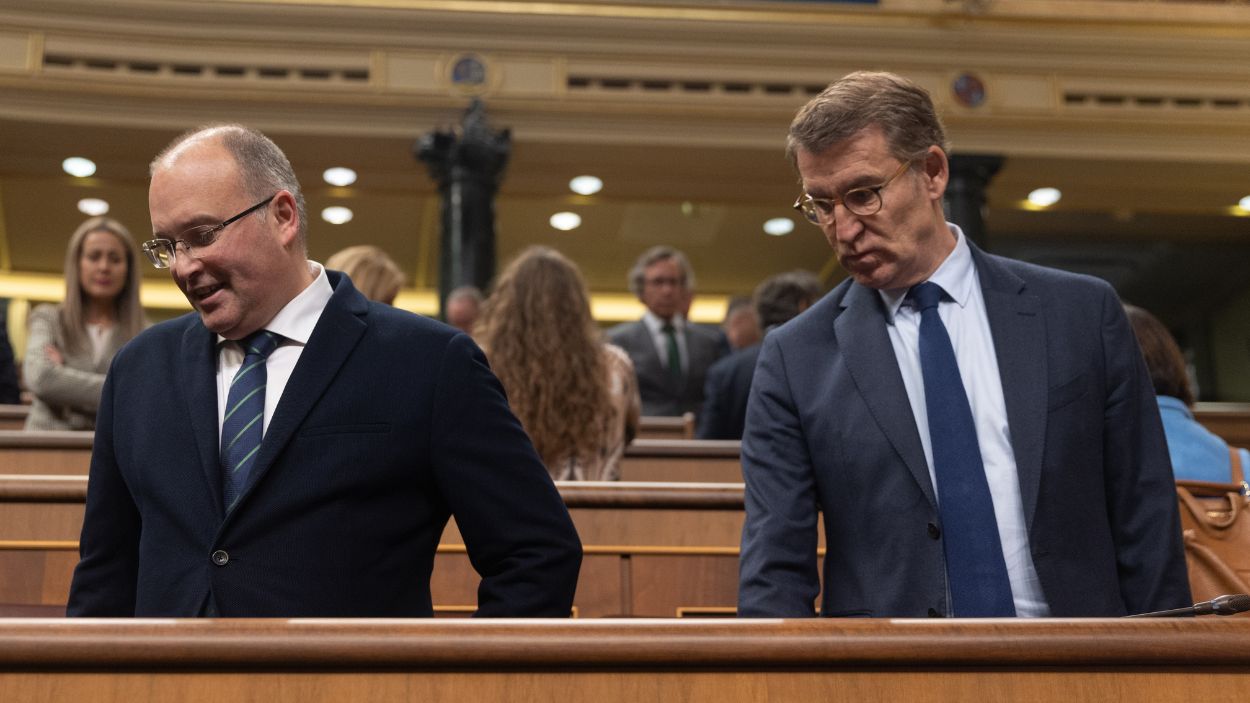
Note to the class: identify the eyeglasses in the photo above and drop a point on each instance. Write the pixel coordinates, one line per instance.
(161, 252)
(859, 201)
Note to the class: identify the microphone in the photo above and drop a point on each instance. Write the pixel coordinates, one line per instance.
(1221, 605)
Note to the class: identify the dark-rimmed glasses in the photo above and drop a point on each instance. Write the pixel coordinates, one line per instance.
(161, 252)
(859, 201)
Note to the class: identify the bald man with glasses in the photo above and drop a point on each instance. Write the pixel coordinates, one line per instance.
(980, 434)
(292, 449)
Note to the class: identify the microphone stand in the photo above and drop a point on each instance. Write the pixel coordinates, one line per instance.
(1221, 605)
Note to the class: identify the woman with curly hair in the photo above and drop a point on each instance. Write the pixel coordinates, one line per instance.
(576, 396)
(70, 345)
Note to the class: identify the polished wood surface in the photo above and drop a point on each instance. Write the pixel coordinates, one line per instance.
(691, 460)
(1231, 421)
(662, 427)
(45, 452)
(13, 417)
(624, 660)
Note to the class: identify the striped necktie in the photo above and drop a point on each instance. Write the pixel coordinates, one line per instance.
(243, 427)
(976, 572)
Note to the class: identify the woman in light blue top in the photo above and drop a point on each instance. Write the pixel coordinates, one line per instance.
(1197, 454)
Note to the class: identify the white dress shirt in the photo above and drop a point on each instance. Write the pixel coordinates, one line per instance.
(295, 322)
(656, 327)
(969, 328)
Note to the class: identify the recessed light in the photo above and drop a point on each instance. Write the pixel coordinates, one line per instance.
(1244, 203)
(93, 207)
(779, 226)
(78, 166)
(565, 221)
(586, 185)
(339, 176)
(336, 215)
(1045, 197)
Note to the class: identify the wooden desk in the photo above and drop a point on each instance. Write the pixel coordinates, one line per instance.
(690, 460)
(650, 549)
(13, 417)
(656, 427)
(129, 661)
(1231, 421)
(45, 452)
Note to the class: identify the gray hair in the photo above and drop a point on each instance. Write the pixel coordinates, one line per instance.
(902, 109)
(638, 273)
(262, 165)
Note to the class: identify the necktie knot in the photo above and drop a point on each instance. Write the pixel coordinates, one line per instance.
(925, 295)
(260, 343)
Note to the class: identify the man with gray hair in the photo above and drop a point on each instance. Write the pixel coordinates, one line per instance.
(775, 301)
(980, 434)
(464, 305)
(291, 448)
(671, 356)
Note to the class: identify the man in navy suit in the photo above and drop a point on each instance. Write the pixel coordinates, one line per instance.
(377, 426)
(1064, 414)
(776, 300)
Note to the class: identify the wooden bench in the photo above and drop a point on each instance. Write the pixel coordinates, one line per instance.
(655, 550)
(1231, 421)
(658, 427)
(13, 417)
(45, 452)
(683, 461)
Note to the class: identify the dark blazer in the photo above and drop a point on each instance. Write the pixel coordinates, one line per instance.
(829, 427)
(660, 394)
(389, 424)
(725, 395)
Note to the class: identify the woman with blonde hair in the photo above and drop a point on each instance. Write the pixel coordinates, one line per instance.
(373, 273)
(576, 396)
(70, 345)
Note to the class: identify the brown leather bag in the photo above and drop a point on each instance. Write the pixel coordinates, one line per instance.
(1215, 518)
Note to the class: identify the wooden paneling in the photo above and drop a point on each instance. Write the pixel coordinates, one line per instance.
(45, 452)
(694, 460)
(1231, 421)
(656, 427)
(13, 417)
(617, 660)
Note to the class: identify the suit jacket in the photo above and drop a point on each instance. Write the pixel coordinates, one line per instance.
(64, 396)
(725, 395)
(829, 427)
(660, 394)
(9, 391)
(389, 424)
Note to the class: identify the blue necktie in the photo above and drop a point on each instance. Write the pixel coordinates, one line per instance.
(244, 424)
(975, 570)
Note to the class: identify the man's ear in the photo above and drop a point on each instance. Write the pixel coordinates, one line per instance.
(937, 170)
(286, 215)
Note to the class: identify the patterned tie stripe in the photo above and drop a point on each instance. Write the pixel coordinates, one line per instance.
(976, 571)
(243, 426)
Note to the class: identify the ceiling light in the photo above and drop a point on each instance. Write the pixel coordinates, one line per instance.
(586, 185)
(1045, 197)
(779, 226)
(78, 166)
(339, 176)
(336, 215)
(93, 207)
(1244, 203)
(565, 221)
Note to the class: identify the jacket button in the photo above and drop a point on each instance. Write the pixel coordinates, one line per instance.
(933, 613)
(221, 558)
(934, 531)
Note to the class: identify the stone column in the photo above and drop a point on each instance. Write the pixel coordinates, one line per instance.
(965, 193)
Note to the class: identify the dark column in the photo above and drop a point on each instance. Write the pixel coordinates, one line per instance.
(965, 193)
(468, 164)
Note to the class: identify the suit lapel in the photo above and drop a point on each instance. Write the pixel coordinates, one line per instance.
(657, 369)
(198, 369)
(865, 345)
(1019, 332)
(338, 330)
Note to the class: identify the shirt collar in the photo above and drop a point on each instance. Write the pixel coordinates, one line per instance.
(1167, 402)
(956, 276)
(655, 324)
(296, 320)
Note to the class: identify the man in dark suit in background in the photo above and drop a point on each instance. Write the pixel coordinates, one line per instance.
(671, 356)
(10, 392)
(316, 480)
(775, 301)
(980, 434)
